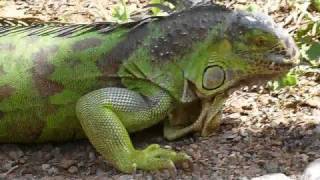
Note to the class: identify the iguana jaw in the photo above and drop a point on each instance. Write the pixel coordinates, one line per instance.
(255, 80)
(279, 64)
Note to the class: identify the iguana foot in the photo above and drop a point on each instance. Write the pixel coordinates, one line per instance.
(155, 158)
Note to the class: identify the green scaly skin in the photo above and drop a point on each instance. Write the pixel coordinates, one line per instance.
(61, 82)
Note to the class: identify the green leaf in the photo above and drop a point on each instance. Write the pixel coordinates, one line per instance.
(120, 12)
(163, 7)
(289, 79)
(314, 51)
(155, 10)
(253, 8)
(316, 4)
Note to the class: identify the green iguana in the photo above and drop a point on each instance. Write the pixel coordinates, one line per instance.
(102, 81)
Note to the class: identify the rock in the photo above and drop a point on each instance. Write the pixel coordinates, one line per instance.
(10, 11)
(3, 156)
(66, 163)
(100, 172)
(7, 165)
(314, 102)
(15, 155)
(276, 176)
(53, 171)
(187, 166)
(73, 170)
(312, 171)
(237, 104)
(56, 153)
(316, 113)
(125, 177)
(315, 91)
(81, 164)
(316, 116)
(243, 178)
(229, 135)
(45, 167)
(194, 146)
(235, 115)
(92, 156)
(271, 167)
(266, 99)
(316, 131)
(47, 156)
(53, 178)
(243, 132)
(304, 157)
(13, 151)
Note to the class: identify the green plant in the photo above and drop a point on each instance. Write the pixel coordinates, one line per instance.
(307, 38)
(290, 79)
(120, 12)
(253, 8)
(157, 11)
(308, 41)
(316, 4)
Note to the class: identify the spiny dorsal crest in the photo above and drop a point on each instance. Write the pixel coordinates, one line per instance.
(37, 27)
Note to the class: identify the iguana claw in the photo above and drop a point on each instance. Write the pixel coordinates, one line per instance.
(173, 171)
(154, 157)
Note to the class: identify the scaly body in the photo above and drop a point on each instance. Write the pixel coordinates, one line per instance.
(61, 82)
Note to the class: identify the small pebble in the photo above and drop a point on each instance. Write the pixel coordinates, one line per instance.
(53, 171)
(276, 176)
(312, 172)
(73, 169)
(45, 167)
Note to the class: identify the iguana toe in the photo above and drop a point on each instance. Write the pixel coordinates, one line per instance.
(155, 158)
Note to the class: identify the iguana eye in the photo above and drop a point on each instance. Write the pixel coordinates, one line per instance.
(213, 77)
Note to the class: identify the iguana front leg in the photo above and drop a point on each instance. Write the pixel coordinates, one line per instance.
(107, 115)
(206, 123)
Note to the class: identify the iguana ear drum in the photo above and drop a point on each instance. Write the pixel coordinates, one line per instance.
(213, 77)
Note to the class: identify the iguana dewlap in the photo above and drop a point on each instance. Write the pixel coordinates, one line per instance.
(103, 81)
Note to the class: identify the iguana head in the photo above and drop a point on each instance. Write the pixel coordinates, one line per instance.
(252, 47)
(237, 48)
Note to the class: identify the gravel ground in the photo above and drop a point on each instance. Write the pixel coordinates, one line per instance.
(262, 132)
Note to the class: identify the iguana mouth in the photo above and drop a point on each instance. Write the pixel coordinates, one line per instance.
(260, 79)
(281, 59)
(276, 71)
(285, 56)
(279, 63)
(255, 80)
